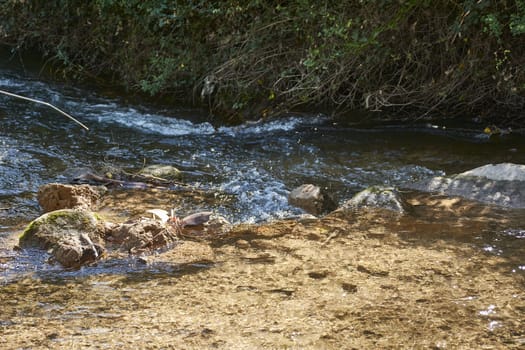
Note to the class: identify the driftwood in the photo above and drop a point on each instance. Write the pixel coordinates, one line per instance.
(94, 179)
(131, 181)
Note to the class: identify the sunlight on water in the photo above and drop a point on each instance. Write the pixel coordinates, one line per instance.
(259, 196)
(258, 163)
(446, 272)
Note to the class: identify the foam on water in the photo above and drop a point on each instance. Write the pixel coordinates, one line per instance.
(260, 196)
(107, 111)
(9, 83)
(173, 126)
(154, 123)
(271, 126)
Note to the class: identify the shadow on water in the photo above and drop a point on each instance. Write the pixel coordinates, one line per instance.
(33, 264)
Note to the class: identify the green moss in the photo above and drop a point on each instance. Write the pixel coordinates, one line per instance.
(50, 227)
(28, 231)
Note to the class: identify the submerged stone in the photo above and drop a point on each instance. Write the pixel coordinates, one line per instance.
(311, 199)
(185, 252)
(167, 172)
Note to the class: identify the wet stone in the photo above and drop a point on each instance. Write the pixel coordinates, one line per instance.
(378, 197)
(142, 234)
(498, 172)
(73, 236)
(167, 172)
(501, 184)
(311, 199)
(56, 196)
(76, 251)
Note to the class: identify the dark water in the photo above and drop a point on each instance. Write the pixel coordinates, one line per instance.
(258, 163)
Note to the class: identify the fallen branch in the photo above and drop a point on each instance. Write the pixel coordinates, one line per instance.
(45, 104)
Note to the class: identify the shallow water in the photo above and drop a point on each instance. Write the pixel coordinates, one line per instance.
(449, 274)
(258, 163)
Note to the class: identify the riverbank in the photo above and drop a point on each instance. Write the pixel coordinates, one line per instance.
(410, 60)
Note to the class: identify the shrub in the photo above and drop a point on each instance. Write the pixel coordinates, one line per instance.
(246, 59)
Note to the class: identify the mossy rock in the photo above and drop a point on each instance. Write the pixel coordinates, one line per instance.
(61, 225)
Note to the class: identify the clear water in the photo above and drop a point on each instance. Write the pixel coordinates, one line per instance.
(258, 163)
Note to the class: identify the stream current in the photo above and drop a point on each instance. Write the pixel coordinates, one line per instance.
(258, 163)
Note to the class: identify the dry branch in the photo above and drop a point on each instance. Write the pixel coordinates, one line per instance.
(45, 104)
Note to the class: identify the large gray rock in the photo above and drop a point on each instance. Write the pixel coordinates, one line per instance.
(501, 184)
(497, 172)
(377, 197)
(73, 236)
(311, 199)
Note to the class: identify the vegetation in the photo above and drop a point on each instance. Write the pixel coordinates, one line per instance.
(247, 59)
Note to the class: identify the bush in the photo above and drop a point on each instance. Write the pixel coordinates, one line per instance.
(247, 59)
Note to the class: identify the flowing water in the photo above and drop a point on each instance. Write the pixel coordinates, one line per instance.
(257, 163)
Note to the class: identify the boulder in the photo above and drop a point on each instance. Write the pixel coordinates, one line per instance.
(501, 184)
(377, 197)
(56, 196)
(73, 236)
(311, 199)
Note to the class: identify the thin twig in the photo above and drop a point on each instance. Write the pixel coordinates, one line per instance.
(45, 104)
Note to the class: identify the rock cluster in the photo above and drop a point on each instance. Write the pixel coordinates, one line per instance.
(142, 234)
(500, 184)
(74, 234)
